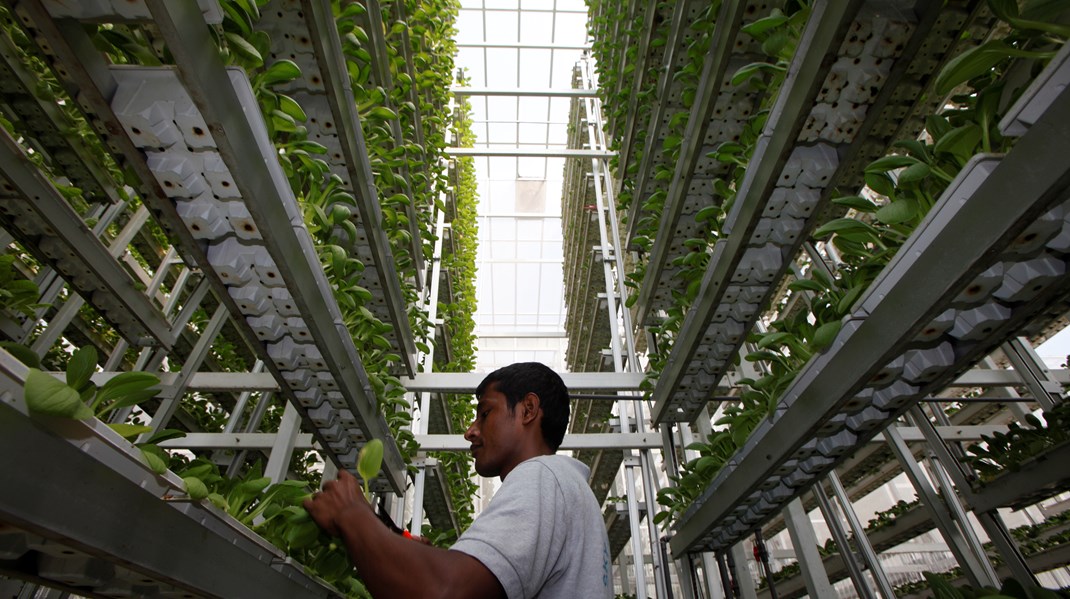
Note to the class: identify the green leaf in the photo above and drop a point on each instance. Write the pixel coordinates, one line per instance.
(22, 353)
(195, 487)
(978, 61)
(155, 457)
(913, 173)
(960, 142)
(806, 285)
(850, 298)
(941, 588)
(771, 338)
(254, 486)
(129, 431)
(382, 113)
(290, 107)
(856, 202)
(81, 366)
(914, 147)
(880, 183)
(369, 462)
(165, 435)
(754, 69)
(281, 72)
(825, 335)
(890, 163)
(899, 211)
(352, 10)
(761, 26)
(301, 535)
(47, 395)
(842, 224)
(242, 48)
(219, 501)
(127, 389)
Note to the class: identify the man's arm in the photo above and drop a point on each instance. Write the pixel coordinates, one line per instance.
(391, 565)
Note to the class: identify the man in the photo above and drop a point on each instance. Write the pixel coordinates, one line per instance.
(541, 536)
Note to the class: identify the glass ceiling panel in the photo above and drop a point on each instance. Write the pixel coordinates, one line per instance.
(535, 26)
(537, 4)
(519, 281)
(501, 26)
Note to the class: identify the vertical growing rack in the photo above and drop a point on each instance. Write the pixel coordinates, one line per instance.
(754, 142)
(829, 258)
(235, 230)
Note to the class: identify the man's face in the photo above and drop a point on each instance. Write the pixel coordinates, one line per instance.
(495, 434)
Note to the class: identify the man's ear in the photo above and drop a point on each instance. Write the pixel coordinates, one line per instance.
(529, 407)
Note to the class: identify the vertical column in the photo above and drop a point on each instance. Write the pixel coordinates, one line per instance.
(859, 532)
(420, 482)
(1034, 373)
(976, 568)
(744, 581)
(854, 570)
(804, 540)
(949, 457)
(283, 449)
(613, 265)
(189, 367)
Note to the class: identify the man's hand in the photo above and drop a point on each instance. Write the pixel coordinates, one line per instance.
(338, 498)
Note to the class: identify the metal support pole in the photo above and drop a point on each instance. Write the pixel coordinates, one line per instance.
(609, 238)
(685, 579)
(854, 570)
(725, 574)
(859, 532)
(283, 450)
(254, 423)
(804, 540)
(951, 499)
(948, 456)
(243, 400)
(972, 566)
(633, 522)
(192, 364)
(744, 581)
(762, 554)
(1035, 375)
(622, 572)
(428, 366)
(711, 574)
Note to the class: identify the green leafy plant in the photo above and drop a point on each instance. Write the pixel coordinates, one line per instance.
(1011, 589)
(1007, 451)
(80, 398)
(887, 517)
(369, 462)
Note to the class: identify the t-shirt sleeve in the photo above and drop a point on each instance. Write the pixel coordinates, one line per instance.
(519, 537)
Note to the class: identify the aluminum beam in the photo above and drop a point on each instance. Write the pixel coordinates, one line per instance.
(465, 382)
(206, 552)
(519, 46)
(524, 93)
(529, 152)
(571, 442)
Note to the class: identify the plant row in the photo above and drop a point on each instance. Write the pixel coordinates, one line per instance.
(900, 189)
(420, 50)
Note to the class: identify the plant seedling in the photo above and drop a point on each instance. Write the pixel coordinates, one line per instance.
(369, 462)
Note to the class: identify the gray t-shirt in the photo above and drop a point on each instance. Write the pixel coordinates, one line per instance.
(543, 535)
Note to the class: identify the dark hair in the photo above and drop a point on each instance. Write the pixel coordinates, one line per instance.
(517, 380)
